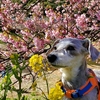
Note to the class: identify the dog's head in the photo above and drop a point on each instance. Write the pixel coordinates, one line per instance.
(69, 52)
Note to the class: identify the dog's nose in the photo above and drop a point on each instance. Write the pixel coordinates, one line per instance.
(51, 58)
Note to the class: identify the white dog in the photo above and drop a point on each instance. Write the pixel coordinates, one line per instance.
(79, 82)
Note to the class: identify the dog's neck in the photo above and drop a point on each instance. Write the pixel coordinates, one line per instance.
(74, 77)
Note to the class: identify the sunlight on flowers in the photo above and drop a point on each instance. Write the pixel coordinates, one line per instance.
(56, 93)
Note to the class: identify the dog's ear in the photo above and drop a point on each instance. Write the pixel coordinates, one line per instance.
(94, 53)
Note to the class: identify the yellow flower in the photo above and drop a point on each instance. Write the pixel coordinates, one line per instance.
(4, 80)
(56, 93)
(36, 63)
(11, 56)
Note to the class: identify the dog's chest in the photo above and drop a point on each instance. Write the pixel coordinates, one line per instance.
(76, 83)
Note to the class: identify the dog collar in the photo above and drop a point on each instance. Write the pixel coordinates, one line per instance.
(91, 83)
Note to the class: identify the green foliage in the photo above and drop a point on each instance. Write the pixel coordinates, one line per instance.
(16, 72)
(18, 1)
(53, 4)
(6, 84)
(1, 42)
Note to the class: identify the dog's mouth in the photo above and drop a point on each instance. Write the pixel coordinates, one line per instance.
(56, 66)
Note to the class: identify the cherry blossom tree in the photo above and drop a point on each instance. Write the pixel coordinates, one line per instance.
(31, 26)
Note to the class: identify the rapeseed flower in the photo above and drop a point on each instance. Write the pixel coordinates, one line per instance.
(56, 93)
(36, 63)
(4, 80)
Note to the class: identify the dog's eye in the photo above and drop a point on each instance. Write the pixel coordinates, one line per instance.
(55, 48)
(70, 48)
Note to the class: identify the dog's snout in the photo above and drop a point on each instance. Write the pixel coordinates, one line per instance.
(51, 58)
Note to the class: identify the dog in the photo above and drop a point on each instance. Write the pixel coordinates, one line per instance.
(69, 55)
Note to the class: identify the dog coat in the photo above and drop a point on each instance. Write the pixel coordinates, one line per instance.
(91, 83)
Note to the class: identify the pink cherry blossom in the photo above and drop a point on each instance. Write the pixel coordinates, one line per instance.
(30, 29)
(39, 43)
(98, 15)
(81, 21)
